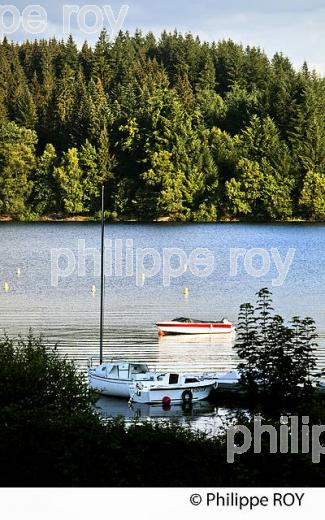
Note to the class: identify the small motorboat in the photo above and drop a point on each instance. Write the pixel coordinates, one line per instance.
(226, 380)
(114, 379)
(172, 389)
(190, 326)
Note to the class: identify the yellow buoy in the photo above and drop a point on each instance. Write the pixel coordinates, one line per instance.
(18, 272)
(93, 289)
(6, 287)
(186, 292)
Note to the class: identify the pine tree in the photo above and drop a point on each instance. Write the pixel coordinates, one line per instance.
(106, 161)
(70, 181)
(25, 109)
(93, 177)
(308, 136)
(275, 358)
(3, 108)
(101, 61)
(64, 107)
(86, 60)
(45, 189)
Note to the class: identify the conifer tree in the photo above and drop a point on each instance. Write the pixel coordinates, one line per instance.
(275, 358)
(45, 189)
(70, 181)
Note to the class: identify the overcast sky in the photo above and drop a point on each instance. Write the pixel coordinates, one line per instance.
(295, 27)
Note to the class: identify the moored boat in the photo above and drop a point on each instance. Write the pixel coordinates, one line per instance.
(226, 380)
(190, 326)
(114, 379)
(172, 389)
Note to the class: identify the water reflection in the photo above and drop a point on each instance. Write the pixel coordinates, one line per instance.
(196, 353)
(202, 416)
(223, 340)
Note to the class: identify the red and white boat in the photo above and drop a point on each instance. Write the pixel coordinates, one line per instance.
(189, 326)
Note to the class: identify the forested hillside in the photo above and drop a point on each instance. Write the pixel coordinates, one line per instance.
(175, 127)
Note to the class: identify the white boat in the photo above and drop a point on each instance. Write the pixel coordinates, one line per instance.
(172, 389)
(189, 326)
(114, 379)
(226, 380)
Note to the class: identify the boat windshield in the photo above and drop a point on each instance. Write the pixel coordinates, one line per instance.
(190, 320)
(139, 369)
(189, 380)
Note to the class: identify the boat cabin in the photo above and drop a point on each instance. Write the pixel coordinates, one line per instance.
(176, 379)
(123, 370)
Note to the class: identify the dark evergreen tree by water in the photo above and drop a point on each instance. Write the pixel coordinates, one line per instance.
(275, 357)
(176, 127)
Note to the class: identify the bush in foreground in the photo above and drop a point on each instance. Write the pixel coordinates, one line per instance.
(51, 436)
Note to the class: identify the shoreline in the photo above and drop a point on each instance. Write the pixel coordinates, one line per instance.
(162, 220)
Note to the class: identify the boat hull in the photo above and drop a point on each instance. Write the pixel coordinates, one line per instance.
(176, 395)
(110, 387)
(195, 328)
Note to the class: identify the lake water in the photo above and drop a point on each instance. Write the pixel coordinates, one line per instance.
(69, 313)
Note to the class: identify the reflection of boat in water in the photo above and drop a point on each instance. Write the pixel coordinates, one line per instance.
(190, 326)
(110, 407)
(205, 339)
(200, 354)
(202, 415)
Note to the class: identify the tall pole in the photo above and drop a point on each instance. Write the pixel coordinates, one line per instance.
(101, 340)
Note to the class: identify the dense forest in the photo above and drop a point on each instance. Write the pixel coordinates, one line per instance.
(176, 128)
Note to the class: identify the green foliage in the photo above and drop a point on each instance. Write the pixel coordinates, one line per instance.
(69, 178)
(34, 379)
(275, 358)
(51, 436)
(312, 198)
(17, 161)
(44, 194)
(244, 192)
(176, 128)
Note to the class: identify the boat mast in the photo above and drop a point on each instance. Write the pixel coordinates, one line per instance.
(102, 281)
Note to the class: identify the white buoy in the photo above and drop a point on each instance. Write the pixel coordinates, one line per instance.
(143, 277)
(18, 272)
(6, 287)
(93, 289)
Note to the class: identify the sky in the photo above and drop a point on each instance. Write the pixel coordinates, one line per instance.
(294, 27)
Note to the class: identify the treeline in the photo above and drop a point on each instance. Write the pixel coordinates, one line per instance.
(175, 127)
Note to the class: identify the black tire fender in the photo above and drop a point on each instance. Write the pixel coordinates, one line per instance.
(187, 396)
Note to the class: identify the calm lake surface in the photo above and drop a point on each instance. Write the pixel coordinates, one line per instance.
(68, 314)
